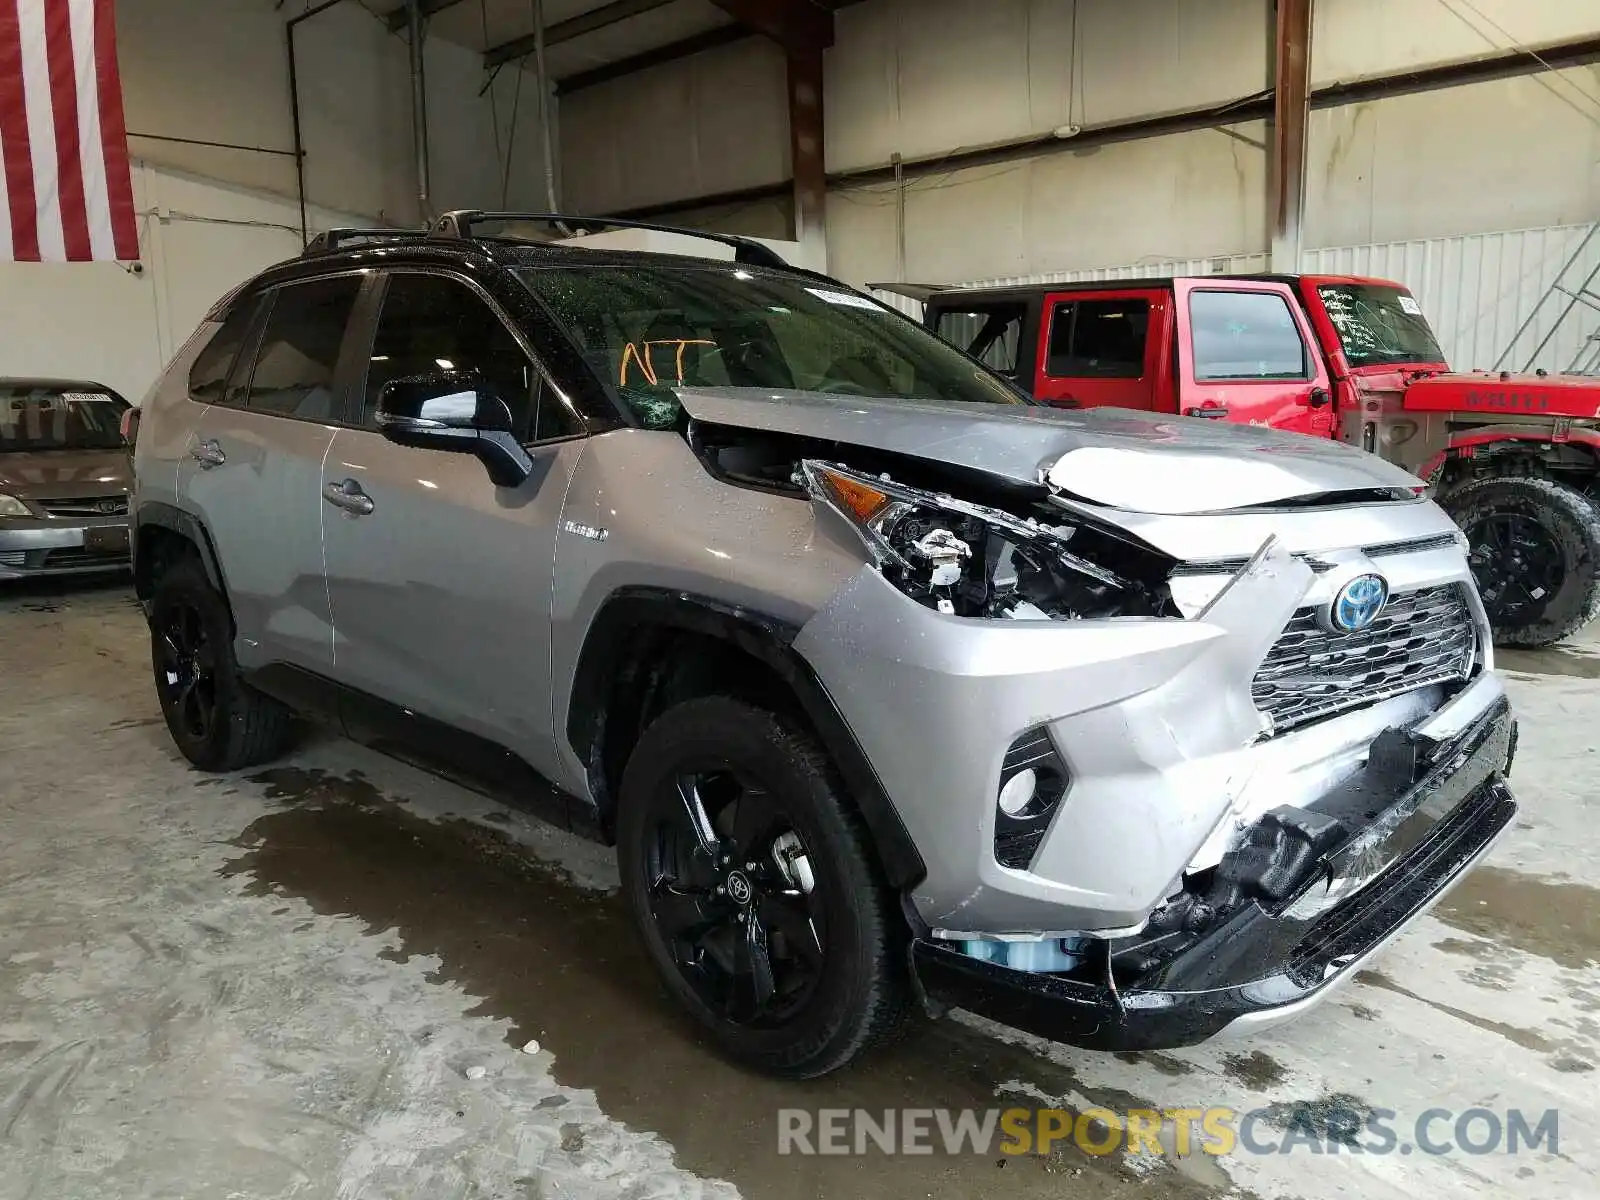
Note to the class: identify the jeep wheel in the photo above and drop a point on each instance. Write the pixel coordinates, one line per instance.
(1535, 548)
(751, 882)
(218, 721)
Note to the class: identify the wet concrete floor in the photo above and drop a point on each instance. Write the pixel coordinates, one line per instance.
(317, 978)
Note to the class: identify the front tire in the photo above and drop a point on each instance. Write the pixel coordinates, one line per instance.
(1535, 550)
(750, 880)
(217, 720)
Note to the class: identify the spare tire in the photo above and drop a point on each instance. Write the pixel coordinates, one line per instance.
(1535, 552)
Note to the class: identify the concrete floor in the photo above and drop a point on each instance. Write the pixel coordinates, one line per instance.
(284, 983)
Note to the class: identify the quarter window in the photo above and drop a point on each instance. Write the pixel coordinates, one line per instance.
(992, 335)
(1098, 339)
(294, 368)
(1246, 335)
(211, 365)
(431, 324)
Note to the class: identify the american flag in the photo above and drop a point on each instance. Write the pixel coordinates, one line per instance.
(66, 194)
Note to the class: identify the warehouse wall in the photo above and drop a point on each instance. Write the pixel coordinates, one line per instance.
(922, 78)
(215, 70)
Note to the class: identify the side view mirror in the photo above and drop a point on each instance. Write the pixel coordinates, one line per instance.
(128, 426)
(455, 411)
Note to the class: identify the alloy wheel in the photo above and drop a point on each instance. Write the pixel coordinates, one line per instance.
(187, 673)
(732, 891)
(1517, 565)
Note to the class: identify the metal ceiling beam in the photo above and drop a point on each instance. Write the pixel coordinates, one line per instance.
(724, 35)
(1291, 111)
(573, 27)
(806, 162)
(400, 17)
(799, 26)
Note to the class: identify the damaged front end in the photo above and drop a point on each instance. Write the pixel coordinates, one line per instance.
(1303, 899)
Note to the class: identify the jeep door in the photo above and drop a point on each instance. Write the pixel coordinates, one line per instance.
(274, 393)
(1246, 354)
(439, 580)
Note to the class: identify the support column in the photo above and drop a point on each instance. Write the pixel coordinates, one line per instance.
(805, 154)
(1291, 112)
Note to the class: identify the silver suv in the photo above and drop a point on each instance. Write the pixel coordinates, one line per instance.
(886, 682)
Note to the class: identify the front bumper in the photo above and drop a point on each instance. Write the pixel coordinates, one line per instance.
(1439, 808)
(31, 549)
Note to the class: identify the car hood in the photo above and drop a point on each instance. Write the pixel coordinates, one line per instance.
(43, 474)
(1117, 458)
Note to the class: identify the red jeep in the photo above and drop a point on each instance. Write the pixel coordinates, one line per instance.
(1513, 459)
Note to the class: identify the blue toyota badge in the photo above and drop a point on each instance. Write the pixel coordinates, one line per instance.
(1357, 604)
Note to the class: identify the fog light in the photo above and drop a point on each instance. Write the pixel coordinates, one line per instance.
(1017, 792)
(1033, 779)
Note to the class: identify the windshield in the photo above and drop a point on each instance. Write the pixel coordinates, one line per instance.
(46, 418)
(649, 330)
(1379, 325)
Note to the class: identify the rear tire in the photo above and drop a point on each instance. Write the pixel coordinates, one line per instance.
(218, 721)
(1535, 548)
(718, 794)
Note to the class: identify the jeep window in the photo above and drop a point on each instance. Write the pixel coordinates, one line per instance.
(34, 418)
(432, 324)
(293, 372)
(648, 330)
(1246, 335)
(211, 366)
(991, 334)
(1379, 325)
(1098, 339)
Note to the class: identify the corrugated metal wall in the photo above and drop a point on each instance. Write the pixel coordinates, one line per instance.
(1477, 290)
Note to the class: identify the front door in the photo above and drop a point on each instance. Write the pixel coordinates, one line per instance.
(1096, 349)
(254, 470)
(440, 582)
(1246, 354)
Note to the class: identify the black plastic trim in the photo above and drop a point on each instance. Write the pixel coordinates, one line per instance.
(156, 515)
(769, 641)
(441, 749)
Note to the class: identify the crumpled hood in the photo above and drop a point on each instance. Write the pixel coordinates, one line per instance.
(1119, 458)
(44, 474)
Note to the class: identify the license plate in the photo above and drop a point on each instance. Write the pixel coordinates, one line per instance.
(109, 539)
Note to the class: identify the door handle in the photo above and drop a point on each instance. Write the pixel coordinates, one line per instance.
(1215, 412)
(208, 454)
(348, 496)
(1318, 398)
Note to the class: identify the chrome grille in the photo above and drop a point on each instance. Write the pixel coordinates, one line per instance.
(85, 506)
(1420, 638)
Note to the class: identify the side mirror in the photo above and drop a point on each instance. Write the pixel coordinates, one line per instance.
(455, 411)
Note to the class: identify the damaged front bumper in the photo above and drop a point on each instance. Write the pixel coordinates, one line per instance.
(1288, 916)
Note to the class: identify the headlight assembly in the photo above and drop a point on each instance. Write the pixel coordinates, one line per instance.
(971, 560)
(10, 506)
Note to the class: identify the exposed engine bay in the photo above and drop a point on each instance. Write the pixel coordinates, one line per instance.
(1016, 557)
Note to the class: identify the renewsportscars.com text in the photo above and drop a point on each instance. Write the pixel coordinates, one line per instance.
(1278, 1129)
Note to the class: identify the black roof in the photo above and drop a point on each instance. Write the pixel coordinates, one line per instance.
(933, 294)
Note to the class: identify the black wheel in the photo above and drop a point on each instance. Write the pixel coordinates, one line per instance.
(219, 722)
(1535, 547)
(750, 879)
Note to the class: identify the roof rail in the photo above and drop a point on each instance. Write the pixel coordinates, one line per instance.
(460, 223)
(336, 239)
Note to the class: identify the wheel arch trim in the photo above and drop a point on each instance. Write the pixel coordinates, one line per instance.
(155, 515)
(767, 640)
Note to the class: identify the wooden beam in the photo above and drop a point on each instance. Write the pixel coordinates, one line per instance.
(806, 145)
(1291, 111)
(799, 26)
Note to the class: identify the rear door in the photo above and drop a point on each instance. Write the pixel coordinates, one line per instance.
(1246, 349)
(255, 475)
(1102, 348)
(999, 334)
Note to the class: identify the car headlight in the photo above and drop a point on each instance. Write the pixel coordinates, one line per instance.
(972, 560)
(10, 506)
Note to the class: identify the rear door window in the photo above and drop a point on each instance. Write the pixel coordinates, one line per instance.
(293, 375)
(1246, 335)
(992, 334)
(1098, 339)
